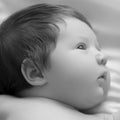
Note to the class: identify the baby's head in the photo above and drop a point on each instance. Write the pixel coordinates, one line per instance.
(51, 51)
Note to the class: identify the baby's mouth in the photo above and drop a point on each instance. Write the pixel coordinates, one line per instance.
(102, 78)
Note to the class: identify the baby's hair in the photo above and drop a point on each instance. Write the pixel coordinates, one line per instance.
(29, 33)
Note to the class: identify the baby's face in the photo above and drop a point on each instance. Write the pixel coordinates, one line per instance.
(78, 75)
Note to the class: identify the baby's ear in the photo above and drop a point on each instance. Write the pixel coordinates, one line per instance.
(32, 74)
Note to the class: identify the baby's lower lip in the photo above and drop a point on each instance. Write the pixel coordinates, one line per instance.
(101, 81)
(104, 82)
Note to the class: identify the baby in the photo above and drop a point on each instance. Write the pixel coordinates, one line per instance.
(51, 53)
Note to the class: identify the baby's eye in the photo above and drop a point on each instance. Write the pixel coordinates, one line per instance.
(82, 46)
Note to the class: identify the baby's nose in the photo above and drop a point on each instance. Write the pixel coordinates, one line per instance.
(101, 58)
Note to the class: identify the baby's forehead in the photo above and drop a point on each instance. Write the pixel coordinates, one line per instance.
(73, 27)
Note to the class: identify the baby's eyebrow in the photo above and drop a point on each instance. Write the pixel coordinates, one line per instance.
(86, 39)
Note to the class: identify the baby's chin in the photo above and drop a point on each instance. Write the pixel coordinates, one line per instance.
(99, 108)
(92, 104)
(90, 109)
(100, 99)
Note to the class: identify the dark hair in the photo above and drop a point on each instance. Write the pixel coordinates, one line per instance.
(28, 34)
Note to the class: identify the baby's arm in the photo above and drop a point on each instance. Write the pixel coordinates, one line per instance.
(40, 109)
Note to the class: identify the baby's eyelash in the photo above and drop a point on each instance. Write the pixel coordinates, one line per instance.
(82, 46)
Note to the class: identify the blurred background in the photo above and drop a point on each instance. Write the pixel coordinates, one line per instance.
(104, 15)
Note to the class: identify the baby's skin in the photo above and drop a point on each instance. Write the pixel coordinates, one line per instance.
(43, 109)
(77, 79)
(63, 108)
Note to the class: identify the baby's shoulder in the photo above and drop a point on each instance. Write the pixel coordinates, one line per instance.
(49, 109)
(42, 109)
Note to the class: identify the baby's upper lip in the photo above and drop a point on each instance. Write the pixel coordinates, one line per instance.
(103, 75)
